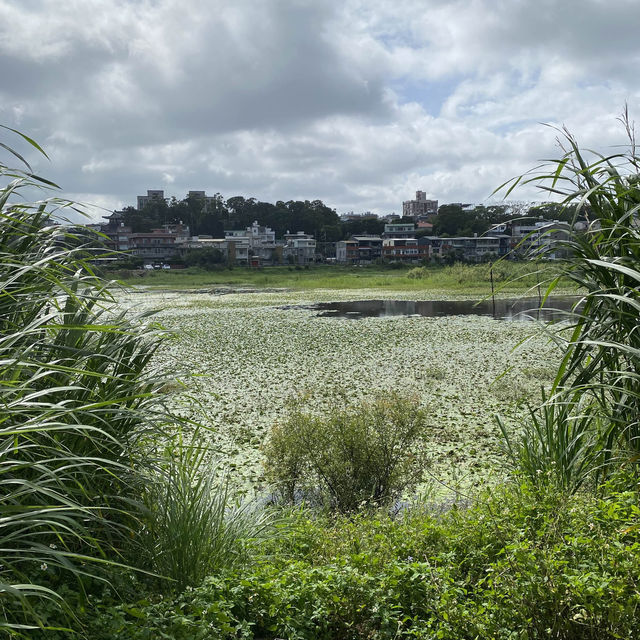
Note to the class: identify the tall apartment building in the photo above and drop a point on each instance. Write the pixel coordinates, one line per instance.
(420, 206)
(152, 194)
(209, 201)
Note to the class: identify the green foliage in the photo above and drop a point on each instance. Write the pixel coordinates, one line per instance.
(602, 351)
(506, 274)
(194, 527)
(366, 455)
(517, 564)
(76, 402)
(513, 277)
(204, 258)
(559, 444)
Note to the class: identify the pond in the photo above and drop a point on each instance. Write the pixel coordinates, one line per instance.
(523, 309)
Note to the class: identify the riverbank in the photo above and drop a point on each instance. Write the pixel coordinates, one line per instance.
(508, 277)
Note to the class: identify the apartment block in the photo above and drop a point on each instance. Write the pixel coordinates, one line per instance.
(420, 206)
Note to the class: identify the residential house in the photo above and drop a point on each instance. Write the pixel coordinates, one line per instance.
(468, 248)
(534, 236)
(260, 244)
(347, 252)
(399, 230)
(361, 249)
(117, 232)
(159, 245)
(405, 250)
(299, 248)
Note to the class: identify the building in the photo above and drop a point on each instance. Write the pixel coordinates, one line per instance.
(117, 232)
(299, 248)
(356, 217)
(152, 194)
(159, 245)
(399, 230)
(208, 201)
(405, 250)
(420, 206)
(361, 249)
(260, 244)
(534, 236)
(468, 248)
(347, 252)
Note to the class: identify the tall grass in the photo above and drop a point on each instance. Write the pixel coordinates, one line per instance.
(601, 361)
(76, 401)
(194, 524)
(559, 444)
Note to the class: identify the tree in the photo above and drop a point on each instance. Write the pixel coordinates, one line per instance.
(205, 258)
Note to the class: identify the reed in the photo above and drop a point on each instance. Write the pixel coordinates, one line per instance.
(76, 400)
(195, 525)
(601, 350)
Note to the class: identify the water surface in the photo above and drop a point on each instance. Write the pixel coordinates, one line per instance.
(523, 309)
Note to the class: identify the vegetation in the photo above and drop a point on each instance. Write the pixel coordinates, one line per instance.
(77, 401)
(454, 220)
(213, 215)
(593, 410)
(365, 456)
(510, 277)
(81, 412)
(194, 525)
(515, 564)
(93, 483)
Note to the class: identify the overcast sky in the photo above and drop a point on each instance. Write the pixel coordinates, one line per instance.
(354, 102)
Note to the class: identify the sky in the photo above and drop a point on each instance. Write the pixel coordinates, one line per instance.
(358, 103)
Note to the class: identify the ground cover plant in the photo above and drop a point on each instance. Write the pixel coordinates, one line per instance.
(516, 564)
(253, 355)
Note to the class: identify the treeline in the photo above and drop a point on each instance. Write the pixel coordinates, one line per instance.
(454, 220)
(215, 215)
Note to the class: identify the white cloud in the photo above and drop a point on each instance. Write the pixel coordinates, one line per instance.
(358, 103)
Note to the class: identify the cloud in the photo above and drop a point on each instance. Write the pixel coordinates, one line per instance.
(358, 103)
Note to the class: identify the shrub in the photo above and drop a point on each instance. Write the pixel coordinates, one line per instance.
(363, 456)
(518, 564)
(417, 273)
